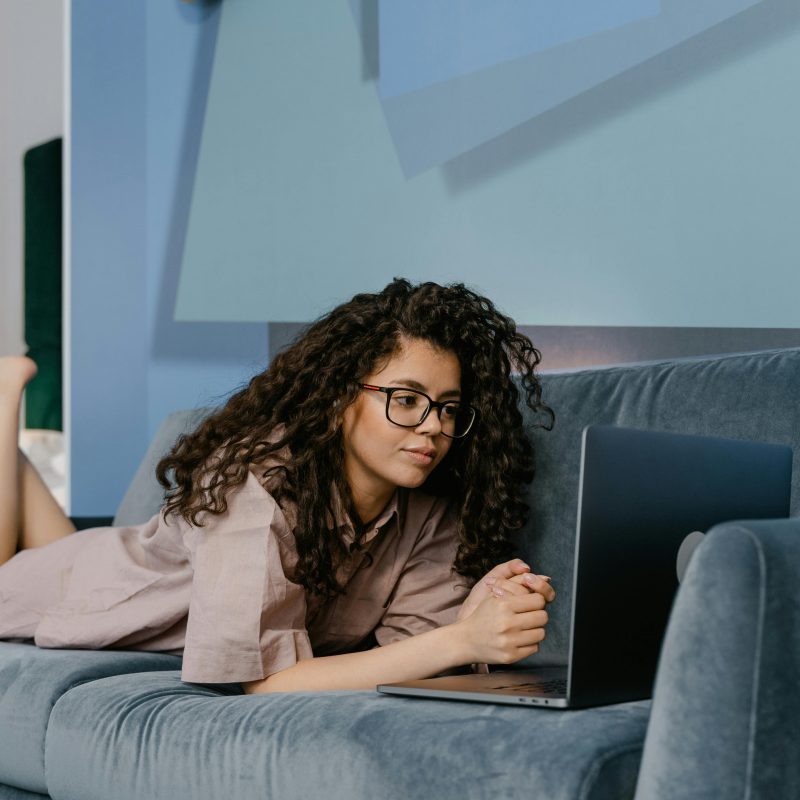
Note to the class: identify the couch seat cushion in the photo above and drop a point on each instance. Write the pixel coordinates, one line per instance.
(150, 735)
(31, 680)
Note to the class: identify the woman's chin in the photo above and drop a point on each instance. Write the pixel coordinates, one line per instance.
(413, 480)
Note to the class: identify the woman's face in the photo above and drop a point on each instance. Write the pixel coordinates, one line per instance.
(379, 455)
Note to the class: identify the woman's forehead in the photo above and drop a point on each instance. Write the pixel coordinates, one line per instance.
(421, 365)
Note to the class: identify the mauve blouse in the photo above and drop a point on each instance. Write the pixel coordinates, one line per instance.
(219, 594)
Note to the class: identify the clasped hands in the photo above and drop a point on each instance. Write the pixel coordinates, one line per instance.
(503, 618)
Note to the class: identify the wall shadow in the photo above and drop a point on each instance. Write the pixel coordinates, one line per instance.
(199, 10)
(365, 17)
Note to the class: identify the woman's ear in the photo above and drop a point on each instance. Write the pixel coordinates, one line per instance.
(337, 415)
(339, 409)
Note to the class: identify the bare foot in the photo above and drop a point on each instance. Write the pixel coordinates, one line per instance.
(15, 373)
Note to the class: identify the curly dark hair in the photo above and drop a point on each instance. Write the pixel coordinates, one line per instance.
(309, 384)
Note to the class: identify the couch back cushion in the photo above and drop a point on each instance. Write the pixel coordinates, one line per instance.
(145, 494)
(751, 396)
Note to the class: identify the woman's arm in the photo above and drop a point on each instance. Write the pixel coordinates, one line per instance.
(420, 656)
(501, 630)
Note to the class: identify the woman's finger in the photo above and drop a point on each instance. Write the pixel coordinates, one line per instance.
(527, 602)
(537, 583)
(508, 569)
(528, 620)
(503, 587)
(533, 583)
(528, 637)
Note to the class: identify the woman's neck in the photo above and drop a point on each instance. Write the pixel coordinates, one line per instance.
(369, 505)
(370, 494)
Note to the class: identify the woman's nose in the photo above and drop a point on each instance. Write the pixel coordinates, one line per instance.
(432, 424)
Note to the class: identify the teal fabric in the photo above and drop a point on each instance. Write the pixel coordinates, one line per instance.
(741, 396)
(43, 397)
(149, 735)
(31, 681)
(726, 713)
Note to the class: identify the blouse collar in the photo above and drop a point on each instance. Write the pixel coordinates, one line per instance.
(343, 523)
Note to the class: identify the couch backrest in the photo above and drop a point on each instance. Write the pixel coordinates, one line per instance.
(742, 396)
(145, 495)
(750, 396)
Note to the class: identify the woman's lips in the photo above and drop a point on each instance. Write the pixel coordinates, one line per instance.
(423, 457)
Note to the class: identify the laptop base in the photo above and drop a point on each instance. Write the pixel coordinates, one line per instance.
(544, 687)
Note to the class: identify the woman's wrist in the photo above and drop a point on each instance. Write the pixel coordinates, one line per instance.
(459, 644)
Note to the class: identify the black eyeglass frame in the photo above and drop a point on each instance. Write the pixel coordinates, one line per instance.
(390, 390)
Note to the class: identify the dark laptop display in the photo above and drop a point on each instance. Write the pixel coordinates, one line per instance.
(642, 495)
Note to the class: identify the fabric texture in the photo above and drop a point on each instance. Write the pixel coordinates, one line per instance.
(31, 681)
(220, 594)
(726, 712)
(749, 396)
(151, 736)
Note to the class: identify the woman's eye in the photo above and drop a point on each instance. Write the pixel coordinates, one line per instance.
(406, 400)
(451, 411)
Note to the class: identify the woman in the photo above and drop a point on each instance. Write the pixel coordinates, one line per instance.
(326, 528)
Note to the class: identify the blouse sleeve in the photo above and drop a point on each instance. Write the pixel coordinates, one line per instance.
(428, 592)
(246, 619)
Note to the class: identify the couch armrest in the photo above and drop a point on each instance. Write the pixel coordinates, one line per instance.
(725, 719)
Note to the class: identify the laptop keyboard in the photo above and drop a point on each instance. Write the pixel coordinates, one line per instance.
(558, 686)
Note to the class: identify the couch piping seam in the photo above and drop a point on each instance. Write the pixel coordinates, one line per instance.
(600, 763)
(678, 361)
(762, 568)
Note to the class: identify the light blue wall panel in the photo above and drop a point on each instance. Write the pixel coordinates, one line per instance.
(424, 42)
(449, 118)
(663, 197)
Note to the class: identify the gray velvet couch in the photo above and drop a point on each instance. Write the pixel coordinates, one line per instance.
(724, 721)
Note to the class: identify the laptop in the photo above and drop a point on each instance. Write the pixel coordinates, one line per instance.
(646, 498)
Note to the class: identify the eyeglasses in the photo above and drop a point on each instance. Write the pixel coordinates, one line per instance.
(409, 408)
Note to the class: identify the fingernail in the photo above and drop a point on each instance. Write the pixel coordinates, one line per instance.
(524, 565)
(530, 578)
(545, 577)
(490, 581)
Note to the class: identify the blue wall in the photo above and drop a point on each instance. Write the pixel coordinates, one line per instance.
(140, 74)
(108, 342)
